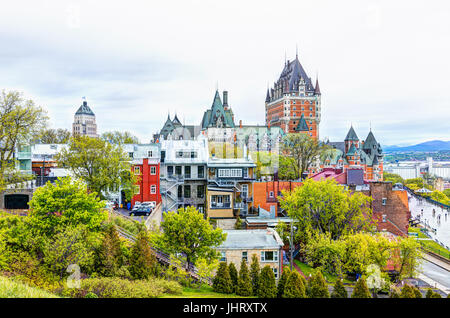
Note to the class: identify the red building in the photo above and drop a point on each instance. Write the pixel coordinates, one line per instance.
(147, 170)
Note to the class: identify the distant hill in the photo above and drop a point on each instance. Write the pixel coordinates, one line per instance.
(433, 145)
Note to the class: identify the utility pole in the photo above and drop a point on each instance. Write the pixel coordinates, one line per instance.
(291, 247)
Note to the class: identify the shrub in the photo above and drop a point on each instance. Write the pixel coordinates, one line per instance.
(267, 287)
(317, 287)
(108, 287)
(394, 293)
(282, 282)
(339, 290)
(222, 281)
(294, 286)
(233, 275)
(91, 295)
(417, 292)
(361, 290)
(244, 287)
(407, 291)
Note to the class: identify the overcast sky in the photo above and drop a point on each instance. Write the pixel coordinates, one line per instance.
(384, 63)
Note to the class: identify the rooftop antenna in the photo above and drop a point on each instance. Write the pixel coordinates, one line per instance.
(296, 51)
(217, 85)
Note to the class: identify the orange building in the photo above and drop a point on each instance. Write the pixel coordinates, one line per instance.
(293, 104)
(266, 194)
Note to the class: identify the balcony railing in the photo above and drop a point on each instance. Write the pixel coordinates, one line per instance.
(220, 205)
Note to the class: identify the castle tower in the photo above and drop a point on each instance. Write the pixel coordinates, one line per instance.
(84, 122)
(294, 101)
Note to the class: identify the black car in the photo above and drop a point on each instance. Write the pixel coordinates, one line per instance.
(141, 211)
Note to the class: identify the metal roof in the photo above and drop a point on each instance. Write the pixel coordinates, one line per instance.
(251, 239)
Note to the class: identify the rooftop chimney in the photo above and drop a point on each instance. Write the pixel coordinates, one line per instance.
(225, 99)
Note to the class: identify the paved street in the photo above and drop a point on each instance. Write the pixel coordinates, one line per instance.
(126, 213)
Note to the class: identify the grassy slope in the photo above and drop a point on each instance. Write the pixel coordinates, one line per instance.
(306, 269)
(431, 245)
(204, 292)
(12, 289)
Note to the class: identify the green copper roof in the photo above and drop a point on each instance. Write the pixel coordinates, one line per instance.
(217, 116)
(302, 126)
(351, 135)
(352, 151)
(84, 110)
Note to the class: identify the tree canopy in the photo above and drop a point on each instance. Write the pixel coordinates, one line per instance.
(119, 137)
(65, 203)
(52, 136)
(20, 119)
(103, 166)
(327, 207)
(189, 233)
(299, 152)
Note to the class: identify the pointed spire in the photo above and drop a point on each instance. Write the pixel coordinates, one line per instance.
(351, 135)
(268, 96)
(317, 88)
(296, 51)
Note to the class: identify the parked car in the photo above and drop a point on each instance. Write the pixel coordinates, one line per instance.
(141, 210)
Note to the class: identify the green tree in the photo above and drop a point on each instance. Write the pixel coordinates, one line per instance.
(408, 257)
(65, 203)
(205, 269)
(361, 290)
(255, 273)
(142, 259)
(222, 281)
(233, 275)
(339, 290)
(327, 207)
(52, 136)
(394, 178)
(68, 246)
(317, 286)
(188, 232)
(110, 256)
(294, 286)
(20, 119)
(119, 138)
(267, 286)
(244, 287)
(103, 166)
(299, 152)
(282, 282)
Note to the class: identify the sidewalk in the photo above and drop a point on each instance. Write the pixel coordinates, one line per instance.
(433, 283)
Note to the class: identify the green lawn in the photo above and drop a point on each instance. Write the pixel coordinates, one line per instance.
(13, 289)
(417, 230)
(306, 269)
(430, 245)
(204, 292)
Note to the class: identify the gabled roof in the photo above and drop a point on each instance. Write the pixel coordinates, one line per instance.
(217, 113)
(352, 151)
(302, 126)
(370, 142)
(176, 121)
(84, 110)
(291, 75)
(351, 135)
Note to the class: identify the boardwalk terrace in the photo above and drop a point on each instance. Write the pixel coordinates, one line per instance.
(243, 244)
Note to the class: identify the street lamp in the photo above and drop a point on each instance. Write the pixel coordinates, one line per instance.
(291, 243)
